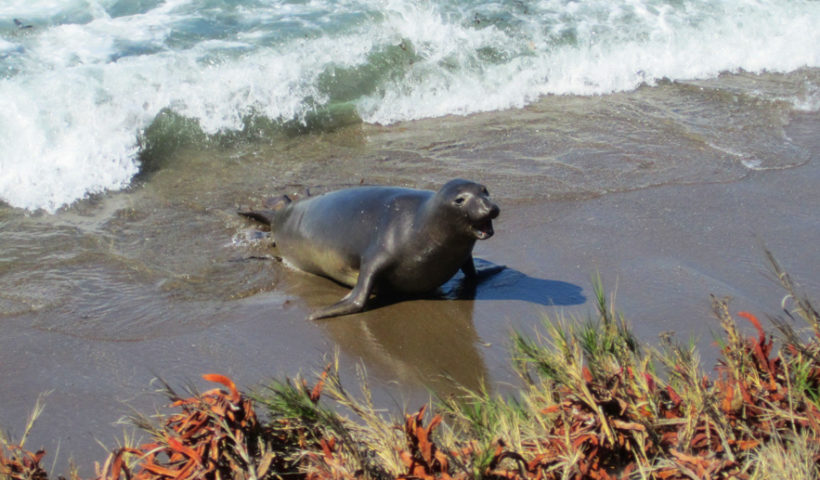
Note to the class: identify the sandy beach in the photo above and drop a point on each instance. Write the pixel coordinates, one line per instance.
(165, 280)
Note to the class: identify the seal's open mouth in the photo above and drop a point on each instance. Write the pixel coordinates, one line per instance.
(483, 230)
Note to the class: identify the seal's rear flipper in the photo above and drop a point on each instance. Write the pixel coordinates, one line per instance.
(277, 203)
(261, 216)
(266, 216)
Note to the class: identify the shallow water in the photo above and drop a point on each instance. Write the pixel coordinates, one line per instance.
(119, 259)
(667, 191)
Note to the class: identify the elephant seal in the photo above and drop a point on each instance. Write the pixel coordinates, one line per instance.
(383, 239)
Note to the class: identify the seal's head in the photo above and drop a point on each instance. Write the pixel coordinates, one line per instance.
(470, 207)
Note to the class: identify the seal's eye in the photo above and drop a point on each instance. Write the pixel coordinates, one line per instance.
(484, 191)
(459, 201)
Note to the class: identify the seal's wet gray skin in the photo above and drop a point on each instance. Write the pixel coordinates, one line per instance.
(384, 239)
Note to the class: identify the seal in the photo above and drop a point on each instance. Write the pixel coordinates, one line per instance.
(382, 239)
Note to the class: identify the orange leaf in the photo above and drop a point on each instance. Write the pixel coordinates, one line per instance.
(146, 447)
(697, 439)
(117, 465)
(550, 409)
(728, 398)
(669, 472)
(219, 409)
(443, 463)
(185, 471)
(747, 444)
(673, 395)
(179, 447)
(328, 447)
(698, 461)
(317, 389)
(754, 321)
(434, 423)
(37, 456)
(650, 382)
(153, 467)
(216, 378)
(195, 426)
(581, 439)
(425, 447)
(622, 425)
(184, 401)
(669, 438)
(406, 458)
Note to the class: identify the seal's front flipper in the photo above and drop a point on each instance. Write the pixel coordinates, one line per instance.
(469, 268)
(489, 271)
(354, 302)
(344, 306)
(484, 270)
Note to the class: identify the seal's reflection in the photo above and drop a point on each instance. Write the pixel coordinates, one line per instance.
(429, 341)
(423, 342)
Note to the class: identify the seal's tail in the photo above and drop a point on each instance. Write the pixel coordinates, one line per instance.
(266, 216)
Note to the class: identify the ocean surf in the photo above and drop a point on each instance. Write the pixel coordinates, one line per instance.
(92, 93)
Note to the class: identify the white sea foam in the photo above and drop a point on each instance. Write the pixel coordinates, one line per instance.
(808, 100)
(78, 88)
(7, 47)
(619, 46)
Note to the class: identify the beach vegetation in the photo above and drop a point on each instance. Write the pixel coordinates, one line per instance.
(593, 403)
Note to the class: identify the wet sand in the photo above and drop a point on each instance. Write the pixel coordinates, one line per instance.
(663, 248)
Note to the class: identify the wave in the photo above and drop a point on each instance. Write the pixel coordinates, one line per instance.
(86, 87)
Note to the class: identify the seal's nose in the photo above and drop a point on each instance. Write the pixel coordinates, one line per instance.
(494, 210)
